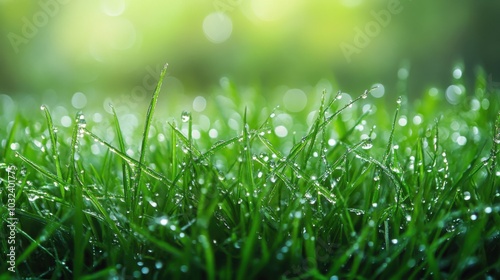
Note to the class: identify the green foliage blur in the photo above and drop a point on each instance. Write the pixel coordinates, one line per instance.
(109, 48)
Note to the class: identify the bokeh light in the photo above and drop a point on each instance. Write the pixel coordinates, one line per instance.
(111, 49)
(217, 27)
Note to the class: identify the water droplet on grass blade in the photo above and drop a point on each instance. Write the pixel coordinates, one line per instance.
(365, 94)
(356, 211)
(15, 146)
(81, 124)
(33, 197)
(185, 116)
(467, 196)
(368, 144)
(497, 139)
(153, 204)
(80, 119)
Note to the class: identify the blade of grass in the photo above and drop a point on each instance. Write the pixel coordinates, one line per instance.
(132, 162)
(41, 169)
(249, 176)
(391, 135)
(125, 167)
(145, 136)
(11, 137)
(158, 242)
(53, 140)
(78, 228)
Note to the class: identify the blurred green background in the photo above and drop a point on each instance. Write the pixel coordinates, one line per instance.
(112, 49)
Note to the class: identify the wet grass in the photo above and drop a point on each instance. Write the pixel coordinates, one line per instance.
(350, 191)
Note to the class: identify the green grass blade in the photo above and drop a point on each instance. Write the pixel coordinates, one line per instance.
(53, 140)
(42, 170)
(391, 135)
(125, 167)
(145, 135)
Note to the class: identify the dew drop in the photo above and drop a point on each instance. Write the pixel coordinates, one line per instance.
(399, 100)
(331, 142)
(163, 221)
(467, 196)
(368, 144)
(15, 146)
(356, 211)
(365, 94)
(153, 204)
(185, 116)
(159, 265)
(80, 119)
(81, 124)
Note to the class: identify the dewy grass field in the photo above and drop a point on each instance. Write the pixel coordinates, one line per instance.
(348, 191)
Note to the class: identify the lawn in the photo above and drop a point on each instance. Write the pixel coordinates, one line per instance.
(357, 186)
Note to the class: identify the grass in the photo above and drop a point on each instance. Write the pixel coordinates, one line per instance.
(354, 192)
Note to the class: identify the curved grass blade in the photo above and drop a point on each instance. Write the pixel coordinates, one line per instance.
(42, 170)
(53, 140)
(145, 135)
(132, 162)
(10, 138)
(391, 136)
(125, 167)
(160, 243)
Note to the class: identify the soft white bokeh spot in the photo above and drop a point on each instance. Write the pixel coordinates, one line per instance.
(379, 91)
(295, 100)
(453, 94)
(403, 73)
(281, 131)
(217, 27)
(79, 100)
(113, 8)
(199, 103)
